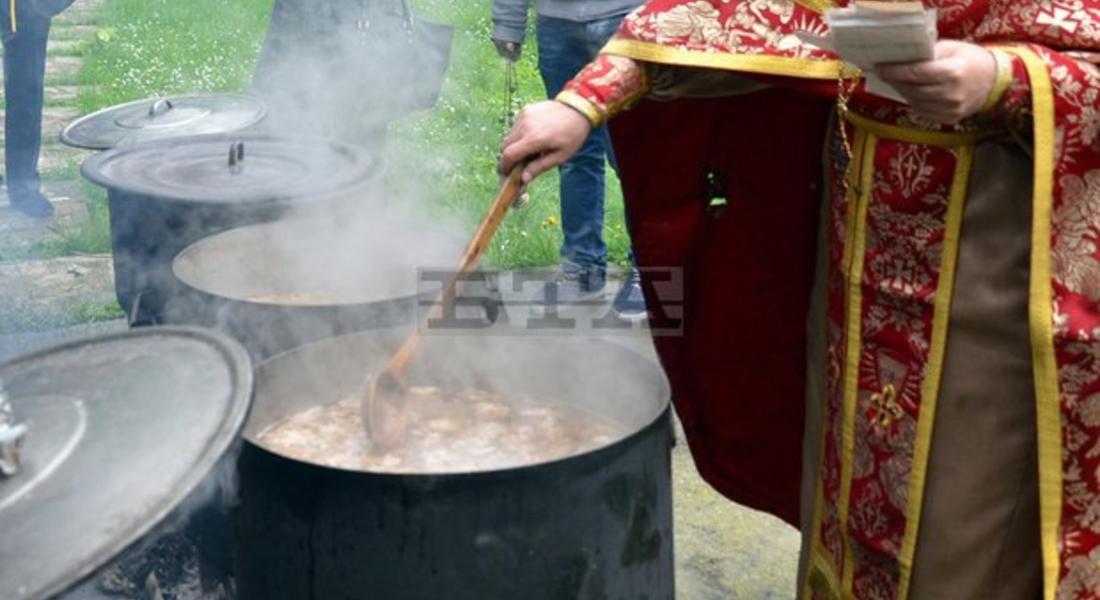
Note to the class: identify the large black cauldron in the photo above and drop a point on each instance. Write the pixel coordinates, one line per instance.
(128, 434)
(165, 194)
(276, 286)
(592, 526)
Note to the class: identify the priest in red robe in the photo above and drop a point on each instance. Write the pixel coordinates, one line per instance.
(892, 320)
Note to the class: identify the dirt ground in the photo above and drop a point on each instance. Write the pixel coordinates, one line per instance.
(725, 551)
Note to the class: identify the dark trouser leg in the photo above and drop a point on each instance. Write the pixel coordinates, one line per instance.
(565, 47)
(599, 32)
(24, 75)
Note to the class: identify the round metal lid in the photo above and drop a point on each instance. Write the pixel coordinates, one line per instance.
(232, 169)
(121, 429)
(157, 118)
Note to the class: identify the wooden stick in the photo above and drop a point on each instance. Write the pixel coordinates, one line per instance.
(383, 398)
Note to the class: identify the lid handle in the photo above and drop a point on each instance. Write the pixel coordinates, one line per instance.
(11, 438)
(236, 157)
(160, 107)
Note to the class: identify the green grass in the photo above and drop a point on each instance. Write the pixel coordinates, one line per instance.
(68, 170)
(62, 79)
(144, 48)
(73, 17)
(451, 151)
(151, 47)
(90, 237)
(70, 48)
(94, 312)
(442, 160)
(66, 33)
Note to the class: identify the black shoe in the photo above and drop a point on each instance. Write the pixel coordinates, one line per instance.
(572, 286)
(32, 204)
(629, 303)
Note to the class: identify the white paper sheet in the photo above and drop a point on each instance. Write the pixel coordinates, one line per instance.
(866, 34)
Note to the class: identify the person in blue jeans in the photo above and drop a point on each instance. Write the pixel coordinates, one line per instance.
(570, 33)
(25, 31)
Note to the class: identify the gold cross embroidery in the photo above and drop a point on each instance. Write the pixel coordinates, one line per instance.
(885, 410)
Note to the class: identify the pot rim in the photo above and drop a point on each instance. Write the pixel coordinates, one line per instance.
(661, 414)
(196, 246)
(368, 169)
(66, 137)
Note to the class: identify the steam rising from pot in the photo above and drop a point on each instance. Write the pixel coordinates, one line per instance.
(342, 71)
(324, 77)
(345, 68)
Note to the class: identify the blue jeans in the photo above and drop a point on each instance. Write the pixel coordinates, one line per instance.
(565, 47)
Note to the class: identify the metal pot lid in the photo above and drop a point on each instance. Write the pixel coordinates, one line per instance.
(157, 118)
(120, 429)
(232, 169)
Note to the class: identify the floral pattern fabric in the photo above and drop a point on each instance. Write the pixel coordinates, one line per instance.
(892, 246)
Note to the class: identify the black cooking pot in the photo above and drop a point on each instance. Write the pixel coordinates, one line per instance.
(592, 526)
(127, 436)
(165, 194)
(275, 286)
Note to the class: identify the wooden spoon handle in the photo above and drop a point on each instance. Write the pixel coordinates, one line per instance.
(504, 200)
(509, 190)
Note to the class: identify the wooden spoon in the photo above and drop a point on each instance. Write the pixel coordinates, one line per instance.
(383, 397)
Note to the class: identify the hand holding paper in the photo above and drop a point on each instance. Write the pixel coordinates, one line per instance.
(895, 45)
(866, 34)
(952, 86)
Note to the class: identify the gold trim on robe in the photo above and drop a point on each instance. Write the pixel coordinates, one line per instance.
(1047, 395)
(805, 68)
(933, 377)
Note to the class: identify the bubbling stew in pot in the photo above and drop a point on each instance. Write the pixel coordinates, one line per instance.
(467, 431)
